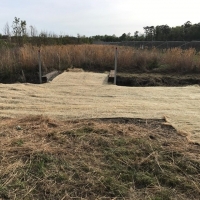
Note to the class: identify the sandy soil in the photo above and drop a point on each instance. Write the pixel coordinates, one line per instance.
(87, 95)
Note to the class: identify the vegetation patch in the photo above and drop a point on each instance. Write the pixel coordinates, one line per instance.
(118, 158)
(20, 64)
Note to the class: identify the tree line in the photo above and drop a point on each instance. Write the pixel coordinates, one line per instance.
(20, 34)
(185, 32)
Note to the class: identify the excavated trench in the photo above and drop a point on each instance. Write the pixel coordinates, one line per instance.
(145, 79)
(123, 79)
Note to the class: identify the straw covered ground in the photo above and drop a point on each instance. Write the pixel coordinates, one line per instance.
(88, 95)
(119, 158)
(68, 152)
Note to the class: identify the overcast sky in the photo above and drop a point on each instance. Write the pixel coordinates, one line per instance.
(98, 17)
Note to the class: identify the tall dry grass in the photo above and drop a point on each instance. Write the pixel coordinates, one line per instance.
(181, 60)
(98, 58)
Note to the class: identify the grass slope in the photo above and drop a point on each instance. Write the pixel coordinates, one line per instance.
(42, 158)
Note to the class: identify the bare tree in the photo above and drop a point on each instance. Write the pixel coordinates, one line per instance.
(6, 29)
(34, 31)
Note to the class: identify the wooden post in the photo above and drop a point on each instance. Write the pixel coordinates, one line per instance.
(23, 75)
(59, 61)
(115, 76)
(40, 68)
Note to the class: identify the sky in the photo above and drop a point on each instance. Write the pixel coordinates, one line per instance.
(98, 17)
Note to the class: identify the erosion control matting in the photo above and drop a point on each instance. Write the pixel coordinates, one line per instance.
(88, 95)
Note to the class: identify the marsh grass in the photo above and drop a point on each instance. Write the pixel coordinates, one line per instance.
(96, 159)
(97, 58)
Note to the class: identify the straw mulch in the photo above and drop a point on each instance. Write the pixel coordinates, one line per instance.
(122, 158)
